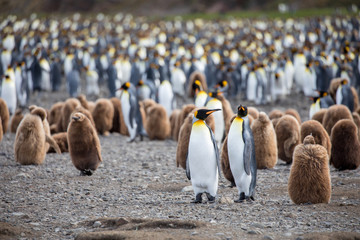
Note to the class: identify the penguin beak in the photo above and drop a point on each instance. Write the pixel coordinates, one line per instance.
(75, 118)
(211, 111)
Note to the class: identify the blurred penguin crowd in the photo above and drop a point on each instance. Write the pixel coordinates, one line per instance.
(255, 60)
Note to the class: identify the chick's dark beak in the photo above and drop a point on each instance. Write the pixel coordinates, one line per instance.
(75, 118)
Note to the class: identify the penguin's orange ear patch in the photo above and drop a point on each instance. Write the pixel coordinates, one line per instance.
(210, 94)
(325, 94)
(195, 113)
(127, 84)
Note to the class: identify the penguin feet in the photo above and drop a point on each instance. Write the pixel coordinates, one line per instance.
(241, 198)
(130, 140)
(198, 198)
(86, 172)
(210, 198)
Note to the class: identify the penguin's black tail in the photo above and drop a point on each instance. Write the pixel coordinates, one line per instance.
(87, 172)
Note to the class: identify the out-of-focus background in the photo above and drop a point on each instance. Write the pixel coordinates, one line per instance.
(175, 7)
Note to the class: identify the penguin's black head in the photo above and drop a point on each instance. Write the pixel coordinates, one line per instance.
(204, 113)
(242, 111)
(140, 83)
(314, 99)
(222, 83)
(196, 85)
(125, 86)
(323, 93)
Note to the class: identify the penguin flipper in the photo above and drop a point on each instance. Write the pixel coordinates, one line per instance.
(248, 151)
(217, 154)
(132, 112)
(188, 168)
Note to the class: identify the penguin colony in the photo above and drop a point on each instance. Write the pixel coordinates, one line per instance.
(194, 68)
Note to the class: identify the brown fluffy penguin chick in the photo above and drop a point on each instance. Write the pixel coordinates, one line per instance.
(253, 112)
(265, 142)
(83, 101)
(356, 118)
(345, 150)
(319, 116)
(197, 75)
(276, 113)
(293, 112)
(184, 138)
(30, 140)
(157, 123)
(225, 163)
(86, 112)
(45, 124)
(315, 129)
(148, 103)
(66, 111)
(4, 114)
(186, 109)
(55, 113)
(103, 115)
(333, 115)
(84, 144)
(118, 120)
(61, 140)
(1, 131)
(173, 120)
(227, 112)
(224, 158)
(309, 180)
(15, 120)
(288, 136)
(356, 97)
(358, 110)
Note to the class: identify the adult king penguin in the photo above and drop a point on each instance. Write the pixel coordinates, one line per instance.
(241, 154)
(203, 162)
(131, 112)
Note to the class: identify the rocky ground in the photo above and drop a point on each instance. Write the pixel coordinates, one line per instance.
(138, 193)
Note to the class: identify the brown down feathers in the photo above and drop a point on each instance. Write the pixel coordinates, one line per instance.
(309, 180)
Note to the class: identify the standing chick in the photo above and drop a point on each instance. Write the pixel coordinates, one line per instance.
(288, 136)
(309, 180)
(84, 144)
(345, 150)
(265, 142)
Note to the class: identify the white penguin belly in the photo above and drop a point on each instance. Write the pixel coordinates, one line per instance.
(339, 96)
(236, 147)
(218, 118)
(8, 93)
(200, 99)
(166, 96)
(125, 107)
(202, 160)
(251, 87)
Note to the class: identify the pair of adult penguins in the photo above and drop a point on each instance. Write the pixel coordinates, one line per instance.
(203, 160)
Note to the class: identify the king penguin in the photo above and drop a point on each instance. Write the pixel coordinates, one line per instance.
(344, 95)
(131, 112)
(203, 161)
(241, 154)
